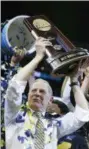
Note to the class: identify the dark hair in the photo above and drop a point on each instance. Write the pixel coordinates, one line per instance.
(64, 109)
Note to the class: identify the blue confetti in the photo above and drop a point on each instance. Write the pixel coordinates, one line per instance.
(49, 125)
(59, 123)
(4, 84)
(28, 133)
(22, 139)
(19, 119)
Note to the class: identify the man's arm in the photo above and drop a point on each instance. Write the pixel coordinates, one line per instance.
(79, 96)
(26, 71)
(74, 120)
(77, 91)
(85, 83)
(13, 105)
(18, 82)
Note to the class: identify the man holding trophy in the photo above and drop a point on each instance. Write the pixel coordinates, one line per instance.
(35, 131)
(30, 129)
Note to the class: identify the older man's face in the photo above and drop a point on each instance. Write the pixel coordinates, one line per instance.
(39, 96)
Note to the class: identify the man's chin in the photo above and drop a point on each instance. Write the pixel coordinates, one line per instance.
(36, 107)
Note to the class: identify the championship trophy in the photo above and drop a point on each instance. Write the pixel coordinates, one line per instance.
(22, 31)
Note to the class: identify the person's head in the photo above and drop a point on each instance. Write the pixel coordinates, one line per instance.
(39, 95)
(57, 107)
(62, 107)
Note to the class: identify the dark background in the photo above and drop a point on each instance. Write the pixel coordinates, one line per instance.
(72, 18)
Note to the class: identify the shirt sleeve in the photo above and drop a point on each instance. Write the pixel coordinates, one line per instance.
(13, 99)
(73, 121)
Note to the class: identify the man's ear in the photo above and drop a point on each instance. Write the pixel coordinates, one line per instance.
(51, 99)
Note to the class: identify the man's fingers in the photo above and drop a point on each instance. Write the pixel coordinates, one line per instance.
(43, 44)
(85, 63)
(43, 41)
(80, 64)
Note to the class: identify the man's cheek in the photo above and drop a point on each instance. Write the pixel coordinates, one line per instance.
(45, 102)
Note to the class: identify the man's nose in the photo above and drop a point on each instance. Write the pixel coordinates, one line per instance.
(38, 92)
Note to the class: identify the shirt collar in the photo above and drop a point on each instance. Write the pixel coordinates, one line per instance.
(32, 112)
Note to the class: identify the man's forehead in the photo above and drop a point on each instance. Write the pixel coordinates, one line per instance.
(41, 84)
(38, 84)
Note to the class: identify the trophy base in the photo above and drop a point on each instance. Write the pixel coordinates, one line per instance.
(66, 63)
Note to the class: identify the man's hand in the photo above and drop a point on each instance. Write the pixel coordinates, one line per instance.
(79, 70)
(84, 68)
(86, 72)
(25, 73)
(18, 56)
(40, 46)
(85, 81)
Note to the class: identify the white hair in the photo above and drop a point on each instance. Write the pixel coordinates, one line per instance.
(45, 82)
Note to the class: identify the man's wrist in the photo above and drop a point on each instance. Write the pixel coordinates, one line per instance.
(74, 83)
(39, 57)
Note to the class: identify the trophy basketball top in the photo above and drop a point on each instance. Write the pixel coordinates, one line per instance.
(15, 33)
